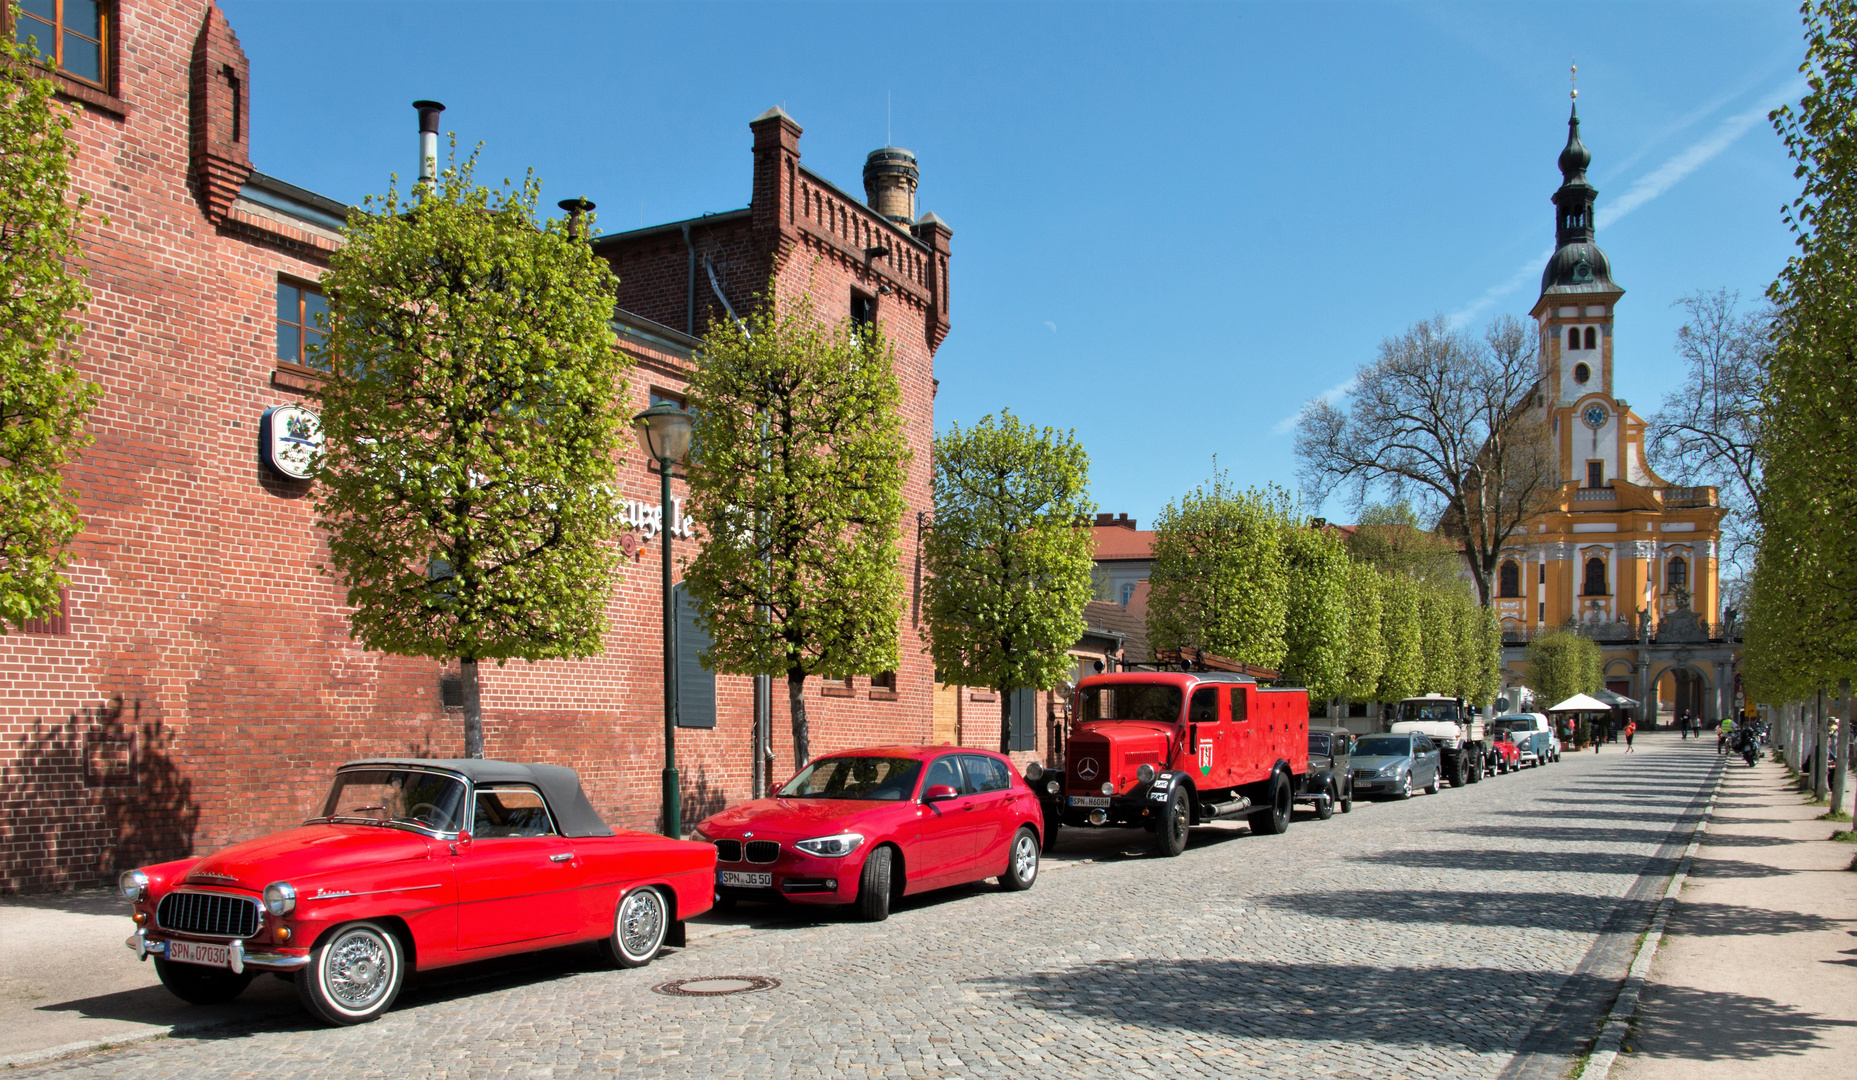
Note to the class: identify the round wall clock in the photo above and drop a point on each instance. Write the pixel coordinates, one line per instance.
(1595, 416)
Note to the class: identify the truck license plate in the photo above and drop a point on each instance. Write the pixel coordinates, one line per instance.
(746, 879)
(192, 952)
(1090, 800)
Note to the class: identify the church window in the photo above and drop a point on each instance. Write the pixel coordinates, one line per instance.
(1595, 474)
(1543, 568)
(1511, 579)
(1581, 373)
(1678, 577)
(1592, 337)
(72, 34)
(1595, 584)
(1573, 338)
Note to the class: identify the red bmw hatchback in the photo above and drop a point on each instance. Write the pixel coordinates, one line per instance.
(866, 827)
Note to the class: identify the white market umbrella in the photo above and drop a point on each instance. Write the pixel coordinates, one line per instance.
(1581, 703)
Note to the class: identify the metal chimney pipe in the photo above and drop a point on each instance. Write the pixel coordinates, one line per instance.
(428, 139)
(577, 209)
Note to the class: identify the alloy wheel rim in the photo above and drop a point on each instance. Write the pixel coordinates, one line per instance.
(641, 923)
(1026, 859)
(359, 969)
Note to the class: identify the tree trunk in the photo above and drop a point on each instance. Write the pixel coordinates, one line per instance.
(796, 704)
(1841, 748)
(1821, 757)
(473, 710)
(1005, 721)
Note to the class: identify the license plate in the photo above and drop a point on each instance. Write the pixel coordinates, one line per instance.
(745, 879)
(192, 952)
(1090, 800)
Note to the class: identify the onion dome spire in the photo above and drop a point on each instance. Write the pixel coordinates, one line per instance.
(1577, 264)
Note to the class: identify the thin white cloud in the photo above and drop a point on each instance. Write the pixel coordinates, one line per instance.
(1051, 325)
(1662, 179)
(1326, 397)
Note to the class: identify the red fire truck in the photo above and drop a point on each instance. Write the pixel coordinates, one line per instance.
(1166, 750)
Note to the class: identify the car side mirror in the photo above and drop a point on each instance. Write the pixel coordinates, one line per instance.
(463, 842)
(939, 793)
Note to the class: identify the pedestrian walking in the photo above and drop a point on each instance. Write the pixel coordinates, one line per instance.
(1631, 728)
(1682, 723)
(1599, 737)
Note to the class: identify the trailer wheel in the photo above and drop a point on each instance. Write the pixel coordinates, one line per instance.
(1170, 830)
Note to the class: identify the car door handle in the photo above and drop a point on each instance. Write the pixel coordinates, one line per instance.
(566, 856)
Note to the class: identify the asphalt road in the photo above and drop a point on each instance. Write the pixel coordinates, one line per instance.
(1474, 933)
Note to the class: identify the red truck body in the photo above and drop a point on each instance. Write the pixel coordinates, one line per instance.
(1207, 744)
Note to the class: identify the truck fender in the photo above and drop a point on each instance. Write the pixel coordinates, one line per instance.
(1163, 786)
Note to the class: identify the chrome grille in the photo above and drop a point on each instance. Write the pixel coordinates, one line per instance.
(728, 851)
(763, 851)
(209, 914)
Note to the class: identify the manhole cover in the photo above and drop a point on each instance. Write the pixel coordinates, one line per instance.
(717, 985)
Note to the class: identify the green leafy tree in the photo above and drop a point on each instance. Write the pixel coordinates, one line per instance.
(796, 480)
(1390, 538)
(43, 401)
(1009, 570)
(1562, 663)
(1489, 661)
(1802, 633)
(1402, 629)
(473, 421)
(1219, 582)
(1438, 640)
(1367, 645)
(1316, 623)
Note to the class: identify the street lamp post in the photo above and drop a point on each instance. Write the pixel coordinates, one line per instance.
(664, 432)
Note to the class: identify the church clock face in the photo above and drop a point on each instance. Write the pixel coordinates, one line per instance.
(1595, 416)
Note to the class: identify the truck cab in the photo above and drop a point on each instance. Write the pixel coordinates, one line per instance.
(1458, 731)
(1166, 750)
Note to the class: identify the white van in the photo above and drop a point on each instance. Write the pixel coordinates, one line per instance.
(1522, 727)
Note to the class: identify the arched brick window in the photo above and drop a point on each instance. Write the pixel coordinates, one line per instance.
(1592, 337)
(1678, 577)
(1510, 579)
(1595, 584)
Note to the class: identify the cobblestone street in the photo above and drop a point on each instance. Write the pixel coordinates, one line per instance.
(1473, 933)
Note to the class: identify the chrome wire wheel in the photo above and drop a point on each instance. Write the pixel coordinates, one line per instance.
(358, 969)
(354, 974)
(639, 926)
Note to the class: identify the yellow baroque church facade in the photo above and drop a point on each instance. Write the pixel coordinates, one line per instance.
(1617, 553)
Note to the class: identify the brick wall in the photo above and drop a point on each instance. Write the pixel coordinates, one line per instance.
(207, 683)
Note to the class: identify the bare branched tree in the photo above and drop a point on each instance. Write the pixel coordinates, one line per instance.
(1709, 426)
(1444, 419)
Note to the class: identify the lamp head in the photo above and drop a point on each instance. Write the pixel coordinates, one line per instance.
(664, 432)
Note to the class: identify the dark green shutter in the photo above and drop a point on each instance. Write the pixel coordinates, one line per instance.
(696, 685)
(1024, 720)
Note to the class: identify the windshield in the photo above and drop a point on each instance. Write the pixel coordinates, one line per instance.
(426, 800)
(1382, 746)
(1131, 701)
(883, 778)
(1428, 710)
(1515, 725)
(1318, 744)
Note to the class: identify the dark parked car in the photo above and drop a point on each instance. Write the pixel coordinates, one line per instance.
(1395, 764)
(1329, 783)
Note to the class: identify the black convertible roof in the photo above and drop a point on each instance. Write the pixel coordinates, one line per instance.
(558, 784)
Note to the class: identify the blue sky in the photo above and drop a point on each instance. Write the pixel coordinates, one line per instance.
(1173, 223)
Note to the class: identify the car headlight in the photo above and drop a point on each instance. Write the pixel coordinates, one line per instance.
(1388, 770)
(279, 898)
(701, 836)
(831, 847)
(134, 885)
(1051, 787)
(1033, 771)
(1145, 774)
(1108, 788)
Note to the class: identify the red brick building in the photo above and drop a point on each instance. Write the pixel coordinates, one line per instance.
(200, 683)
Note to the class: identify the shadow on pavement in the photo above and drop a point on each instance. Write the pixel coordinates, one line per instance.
(1538, 910)
(1693, 1025)
(1608, 835)
(1496, 859)
(78, 902)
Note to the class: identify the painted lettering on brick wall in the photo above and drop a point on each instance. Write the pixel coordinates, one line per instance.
(648, 518)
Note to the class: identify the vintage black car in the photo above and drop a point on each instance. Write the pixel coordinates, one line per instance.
(1329, 782)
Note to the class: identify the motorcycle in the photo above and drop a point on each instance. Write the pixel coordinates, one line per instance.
(1748, 743)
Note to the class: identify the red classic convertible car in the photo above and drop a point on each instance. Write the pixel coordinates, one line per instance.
(415, 864)
(869, 826)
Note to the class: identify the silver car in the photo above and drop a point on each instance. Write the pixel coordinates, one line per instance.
(1395, 764)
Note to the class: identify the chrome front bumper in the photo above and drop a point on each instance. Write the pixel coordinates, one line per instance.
(143, 948)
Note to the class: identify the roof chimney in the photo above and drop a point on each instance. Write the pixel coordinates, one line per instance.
(428, 139)
(890, 176)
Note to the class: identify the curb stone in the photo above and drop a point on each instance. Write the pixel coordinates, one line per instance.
(1623, 1014)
